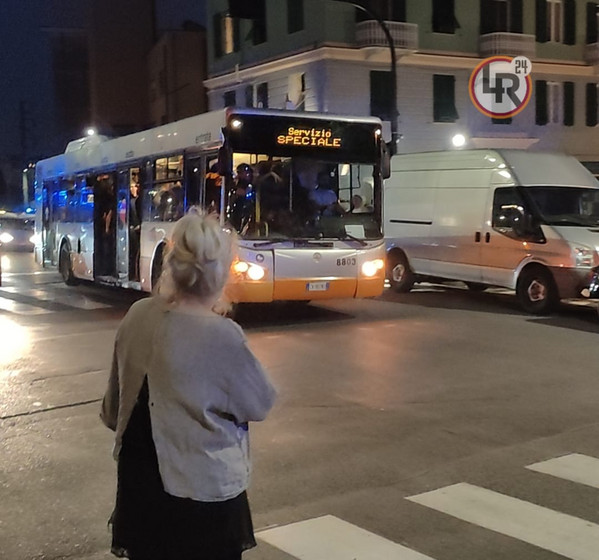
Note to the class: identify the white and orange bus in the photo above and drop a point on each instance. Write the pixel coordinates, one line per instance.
(106, 207)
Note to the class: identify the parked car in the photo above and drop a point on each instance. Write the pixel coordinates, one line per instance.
(16, 232)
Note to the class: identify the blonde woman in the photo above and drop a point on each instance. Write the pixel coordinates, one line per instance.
(182, 389)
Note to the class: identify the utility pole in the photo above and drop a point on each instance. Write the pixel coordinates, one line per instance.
(394, 111)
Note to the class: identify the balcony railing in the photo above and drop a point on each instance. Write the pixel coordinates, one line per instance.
(509, 44)
(370, 34)
(591, 53)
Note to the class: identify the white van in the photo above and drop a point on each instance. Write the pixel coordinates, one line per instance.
(523, 220)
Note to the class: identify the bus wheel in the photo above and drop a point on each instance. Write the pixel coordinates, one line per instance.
(65, 266)
(399, 273)
(536, 291)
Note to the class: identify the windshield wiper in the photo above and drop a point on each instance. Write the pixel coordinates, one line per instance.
(345, 235)
(273, 241)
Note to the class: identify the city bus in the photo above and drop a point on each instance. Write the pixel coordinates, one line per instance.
(106, 207)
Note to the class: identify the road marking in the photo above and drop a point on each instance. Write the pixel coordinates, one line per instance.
(550, 530)
(21, 308)
(574, 467)
(72, 299)
(334, 539)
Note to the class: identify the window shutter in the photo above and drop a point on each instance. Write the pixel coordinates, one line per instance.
(444, 109)
(591, 119)
(218, 37)
(570, 22)
(541, 21)
(247, 9)
(541, 102)
(380, 94)
(591, 22)
(516, 16)
(295, 15)
(236, 34)
(487, 19)
(568, 103)
(398, 8)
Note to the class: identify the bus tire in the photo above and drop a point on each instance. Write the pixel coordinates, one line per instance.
(536, 291)
(157, 266)
(399, 273)
(65, 266)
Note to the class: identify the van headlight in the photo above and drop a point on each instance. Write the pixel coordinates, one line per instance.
(6, 237)
(370, 268)
(583, 255)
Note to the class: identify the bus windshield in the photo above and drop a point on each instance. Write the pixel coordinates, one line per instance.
(285, 198)
(566, 206)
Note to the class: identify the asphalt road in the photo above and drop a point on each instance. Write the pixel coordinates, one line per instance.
(440, 424)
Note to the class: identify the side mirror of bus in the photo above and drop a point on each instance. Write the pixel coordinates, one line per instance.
(224, 162)
(385, 161)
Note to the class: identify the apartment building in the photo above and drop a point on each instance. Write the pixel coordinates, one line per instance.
(327, 55)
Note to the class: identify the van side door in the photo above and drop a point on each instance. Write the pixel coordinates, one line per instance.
(456, 232)
(503, 245)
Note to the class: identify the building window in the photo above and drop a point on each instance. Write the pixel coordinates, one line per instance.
(295, 16)
(387, 10)
(296, 91)
(591, 104)
(249, 96)
(444, 109)
(555, 15)
(229, 98)
(226, 34)
(444, 20)
(556, 21)
(500, 16)
(553, 104)
(381, 101)
(262, 95)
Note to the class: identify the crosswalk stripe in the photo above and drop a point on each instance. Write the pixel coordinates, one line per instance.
(334, 539)
(574, 467)
(550, 530)
(21, 308)
(75, 300)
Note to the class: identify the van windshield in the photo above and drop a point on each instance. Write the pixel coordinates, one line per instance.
(566, 206)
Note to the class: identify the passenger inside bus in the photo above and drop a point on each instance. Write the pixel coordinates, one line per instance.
(242, 198)
(134, 226)
(324, 198)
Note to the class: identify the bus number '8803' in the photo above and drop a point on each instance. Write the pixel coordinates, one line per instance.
(349, 261)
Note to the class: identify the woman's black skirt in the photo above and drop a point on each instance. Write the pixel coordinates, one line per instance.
(149, 524)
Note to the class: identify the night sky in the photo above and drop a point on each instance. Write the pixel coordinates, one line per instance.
(25, 63)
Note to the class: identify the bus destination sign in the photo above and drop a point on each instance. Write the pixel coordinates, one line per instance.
(316, 137)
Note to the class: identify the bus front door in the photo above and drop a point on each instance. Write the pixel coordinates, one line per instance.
(105, 220)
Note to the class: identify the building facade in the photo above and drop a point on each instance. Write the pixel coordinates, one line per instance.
(327, 55)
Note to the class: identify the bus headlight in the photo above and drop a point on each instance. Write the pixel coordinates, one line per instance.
(6, 237)
(370, 268)
(249, 270)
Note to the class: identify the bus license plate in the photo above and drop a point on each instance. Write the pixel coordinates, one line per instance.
(317, 286)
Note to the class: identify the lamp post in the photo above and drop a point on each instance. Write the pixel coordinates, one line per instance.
(394, 111)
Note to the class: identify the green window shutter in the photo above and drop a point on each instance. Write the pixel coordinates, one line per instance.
(541, 21)
(591, 22)
(568, 103)
(591, 95)
(381, 86)
(541, 102)
(516, 16)
(218, 37)
(570, 22)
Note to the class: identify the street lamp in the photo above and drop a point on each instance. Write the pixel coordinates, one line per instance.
(394, 112)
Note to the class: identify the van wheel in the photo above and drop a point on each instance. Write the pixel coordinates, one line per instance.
(399, 273)
(476, 286)
(536, 291)
(65, 267)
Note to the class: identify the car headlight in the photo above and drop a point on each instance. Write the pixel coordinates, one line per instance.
(583, 255)
(6, 237)
(370, 268)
